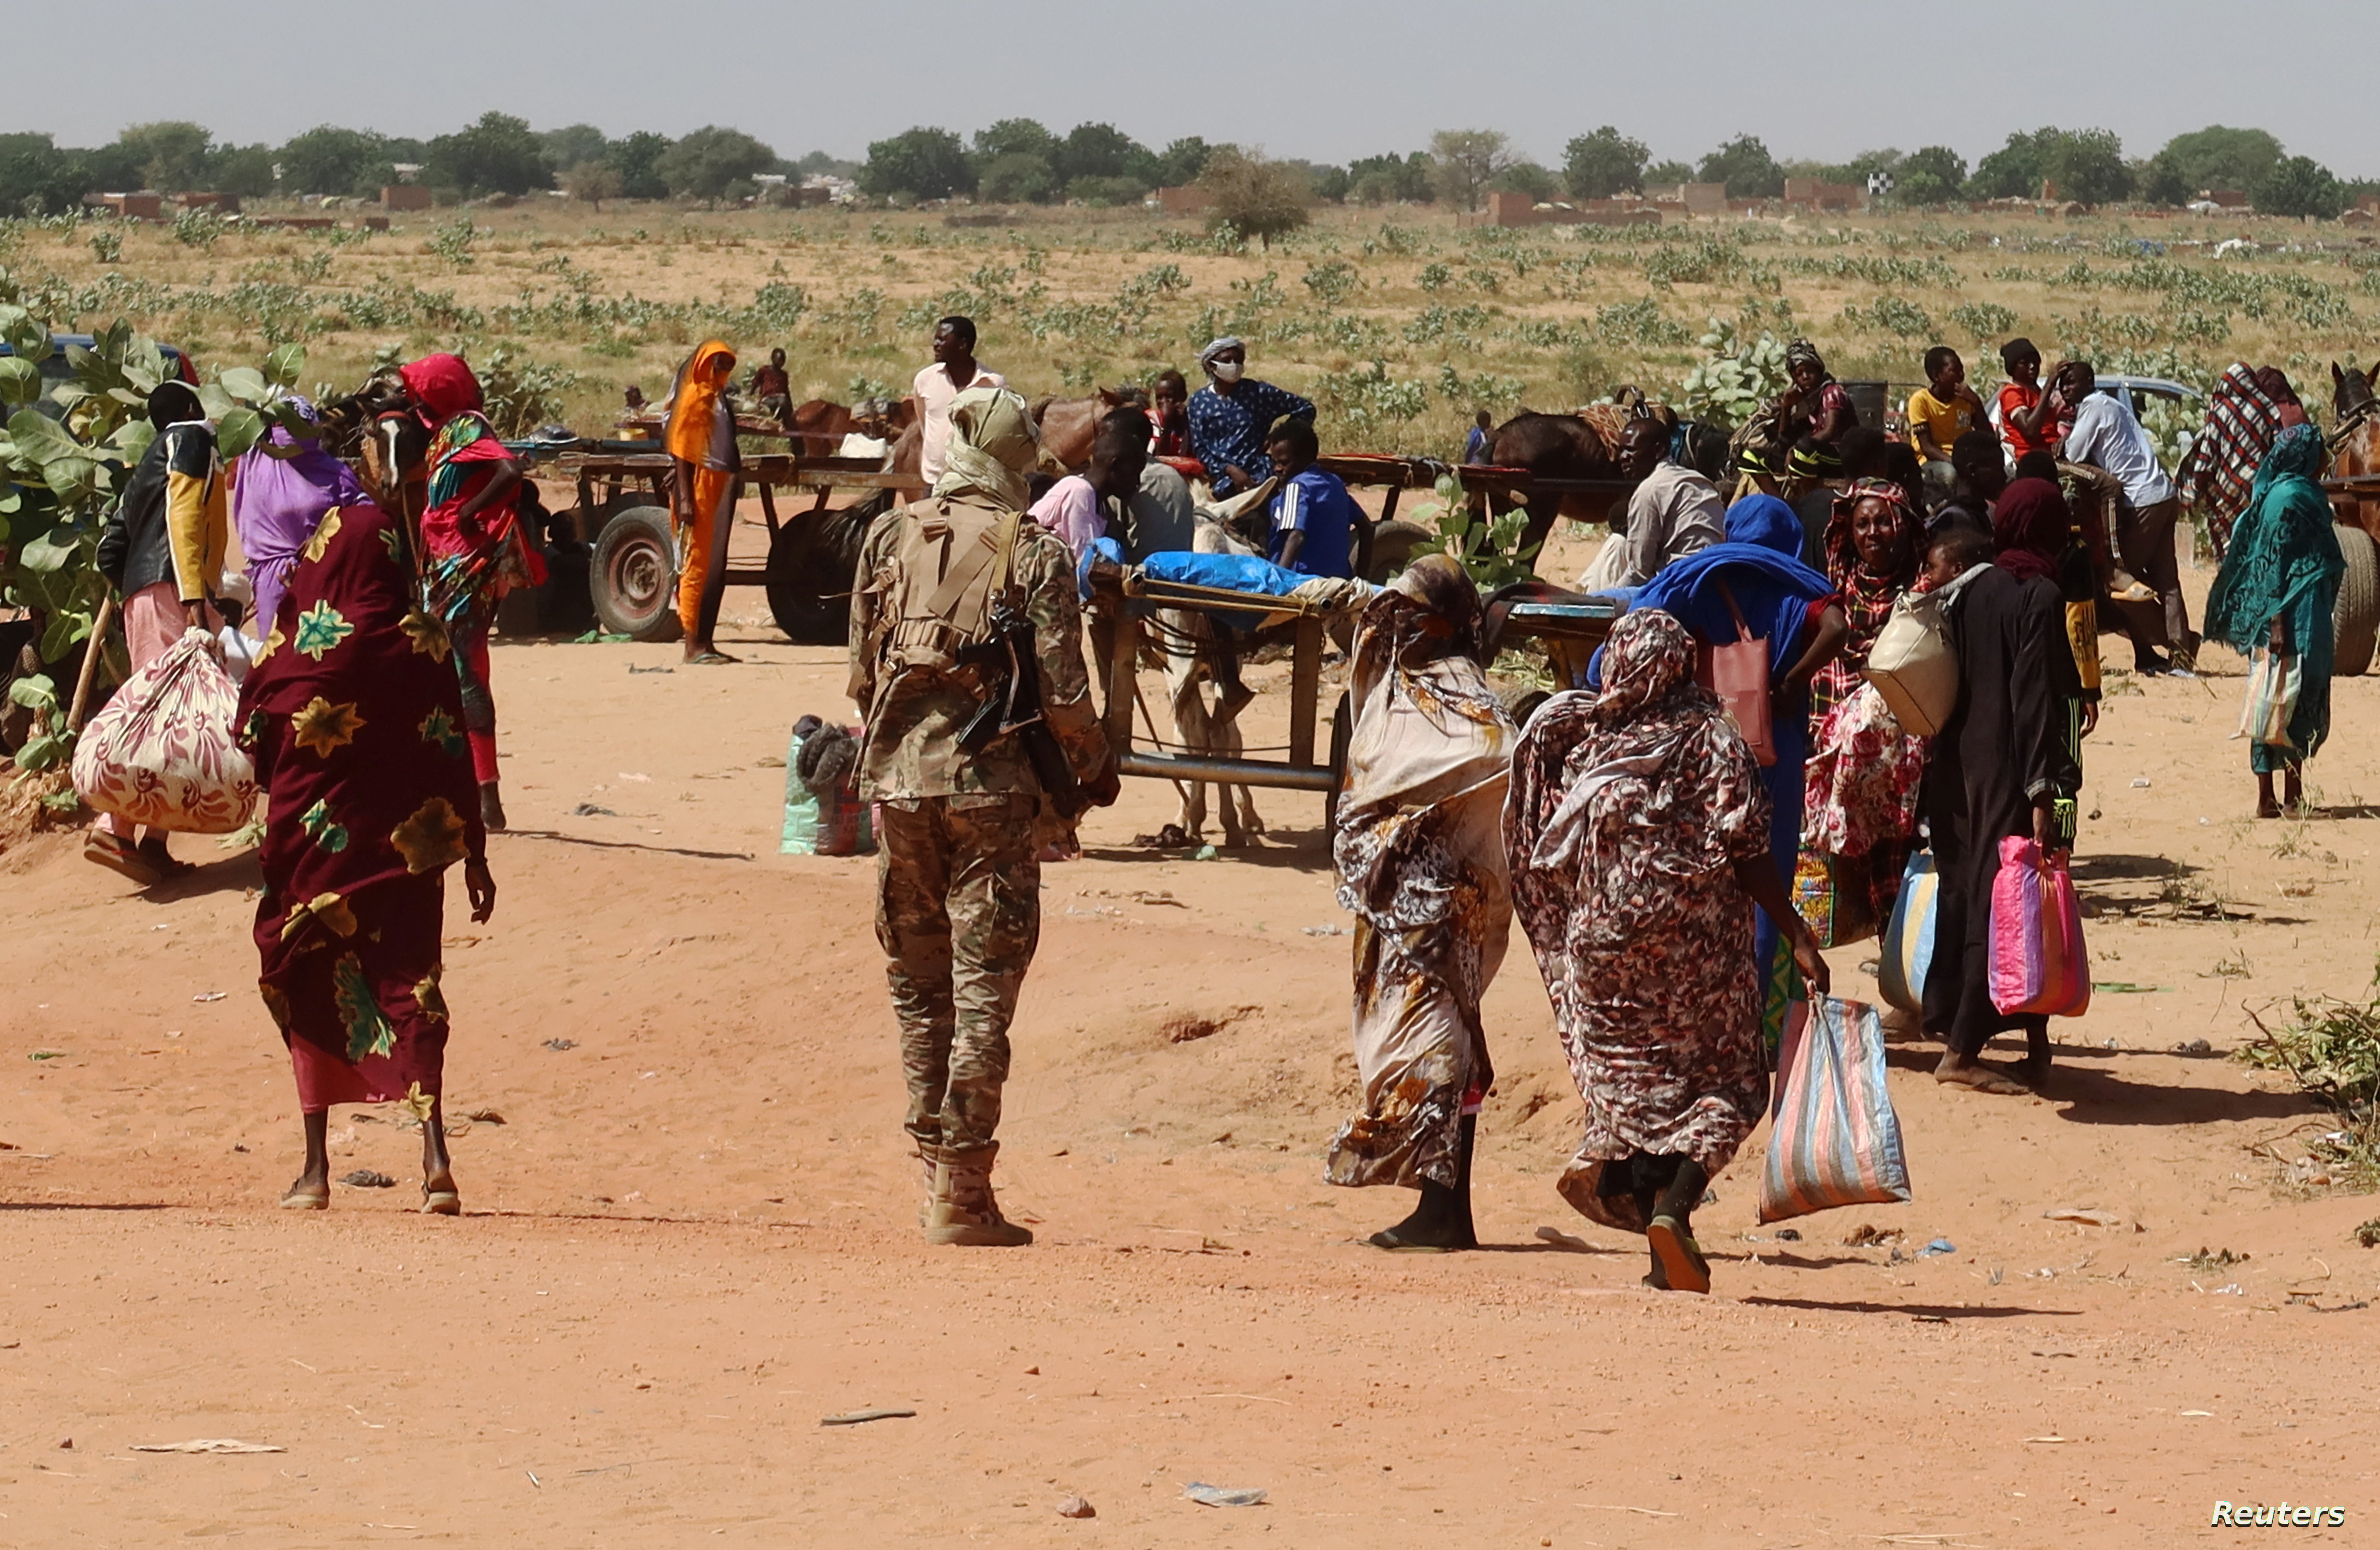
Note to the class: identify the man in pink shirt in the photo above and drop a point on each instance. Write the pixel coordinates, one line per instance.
(1075, 507)
(955, 371)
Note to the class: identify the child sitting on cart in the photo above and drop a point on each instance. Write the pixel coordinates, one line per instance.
(1313, 515)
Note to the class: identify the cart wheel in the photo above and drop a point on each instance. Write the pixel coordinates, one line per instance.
(810, 564)
(2355, 618)
(1343, 732)
(1391, 549)
(633, 577)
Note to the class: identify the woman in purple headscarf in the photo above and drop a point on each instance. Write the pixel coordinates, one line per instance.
(281, 488)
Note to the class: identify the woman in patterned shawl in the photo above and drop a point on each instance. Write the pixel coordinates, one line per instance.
(1860, 806)
(355, 718)
(1637, 831)
(2219, 472)
(1421, 863)
(473, 547)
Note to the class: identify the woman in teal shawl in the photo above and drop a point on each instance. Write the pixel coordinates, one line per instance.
(2277, 586)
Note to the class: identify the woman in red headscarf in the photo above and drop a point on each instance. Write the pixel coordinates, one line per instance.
(354, 721)
(474, 549)
(703, 457)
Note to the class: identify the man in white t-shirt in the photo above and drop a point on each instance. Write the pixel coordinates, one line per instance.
(955, 371)
(2107, 434)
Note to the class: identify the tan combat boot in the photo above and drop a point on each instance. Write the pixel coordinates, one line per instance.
(963, 1210)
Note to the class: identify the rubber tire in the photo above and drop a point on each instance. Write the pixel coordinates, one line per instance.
(633, 579)
(1392, 549)
(1342, 734)
(2355, 619)
(810, 564)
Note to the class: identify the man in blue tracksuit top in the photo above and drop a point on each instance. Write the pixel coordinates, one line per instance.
(1313, 516)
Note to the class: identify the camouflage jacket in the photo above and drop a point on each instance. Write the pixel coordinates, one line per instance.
(914, 716)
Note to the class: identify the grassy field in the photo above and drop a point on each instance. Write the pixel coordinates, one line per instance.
(1397, 322)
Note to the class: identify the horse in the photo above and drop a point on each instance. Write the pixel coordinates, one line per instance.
(2355, 444)
(1581, 445)
(1070, 425)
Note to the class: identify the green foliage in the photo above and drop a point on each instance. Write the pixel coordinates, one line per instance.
(172, 155)
(1463, 163)
(521, 393)
(197, 228)
(1094, 150)
(1484, 549)
(638, 157)
(1333, 282)
(2085, 164)
(452, 242)
(1745, 165)
(2208, 159)
(498, 155)
(1735, 378)
(1985, 319)
(1890, 314)
(1014, 177)
(918, 163)
(2299, 186)
(1526, 178)
(1603, 164)
(1177, 166)
(1365, 406)
(330, 160)
(1253, 196)
(704, 164)
(1390, 179)
(107, 247)
(2330, 1048)
(1639, 323)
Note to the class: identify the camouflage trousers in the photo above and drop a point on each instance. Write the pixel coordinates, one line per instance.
(958, 910)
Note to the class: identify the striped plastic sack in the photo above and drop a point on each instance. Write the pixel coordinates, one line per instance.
(2038, 966)
(1908, 952)
(1833, 1139)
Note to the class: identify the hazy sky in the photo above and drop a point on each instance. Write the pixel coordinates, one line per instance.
(1325, 79)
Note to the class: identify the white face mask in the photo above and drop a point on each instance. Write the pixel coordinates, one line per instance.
(1226, 370)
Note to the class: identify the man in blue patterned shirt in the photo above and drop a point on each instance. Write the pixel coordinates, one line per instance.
(1229, 416)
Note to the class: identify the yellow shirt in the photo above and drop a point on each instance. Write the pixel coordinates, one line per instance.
(1947, 421)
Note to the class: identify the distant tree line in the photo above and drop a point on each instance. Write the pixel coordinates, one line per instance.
(498, 155)
(1020, 161)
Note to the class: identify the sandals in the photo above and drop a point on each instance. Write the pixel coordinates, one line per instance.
(307, 1200)
(110, 851)
(711, 659)
(1680, 1258)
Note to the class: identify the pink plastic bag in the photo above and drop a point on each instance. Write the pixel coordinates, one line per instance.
(2038, 965)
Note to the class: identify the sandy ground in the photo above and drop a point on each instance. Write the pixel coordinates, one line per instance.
(690, 1237)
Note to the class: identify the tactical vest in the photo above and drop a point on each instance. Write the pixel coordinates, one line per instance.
(954, 560)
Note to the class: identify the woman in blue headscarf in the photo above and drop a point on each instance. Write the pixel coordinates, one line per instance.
(2277, 588)
(1792, 608)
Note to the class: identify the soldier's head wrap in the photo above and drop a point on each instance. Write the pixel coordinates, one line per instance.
(994, 446)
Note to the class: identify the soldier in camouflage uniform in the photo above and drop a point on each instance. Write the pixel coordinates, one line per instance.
(958, 903)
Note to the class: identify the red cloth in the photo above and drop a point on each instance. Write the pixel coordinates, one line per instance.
(443, 387)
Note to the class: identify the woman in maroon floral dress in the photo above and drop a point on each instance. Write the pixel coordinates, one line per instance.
(354, 716)
(1637, 832)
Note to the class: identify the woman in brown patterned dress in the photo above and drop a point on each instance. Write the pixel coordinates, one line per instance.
(1421, 863)
(1637, 832)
